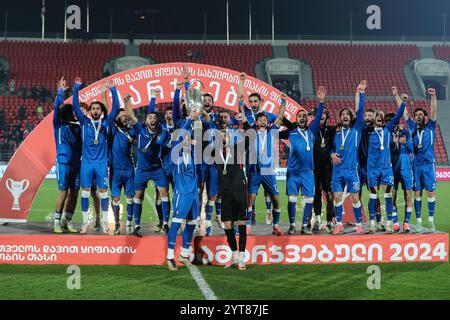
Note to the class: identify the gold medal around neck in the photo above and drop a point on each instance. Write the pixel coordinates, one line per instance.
(95, 141)
(342, 148)
(323, 145)
(308, 148)
(381, 148)
(420, 146)
(144, 150)
(224, 172)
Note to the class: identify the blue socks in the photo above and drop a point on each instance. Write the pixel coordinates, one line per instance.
(307, 211)
(159, 211)
(209, 211)
(129, 210)
(338, 212)
(249, 216)
(389, 205)
(431, 206)
(418, 207)
(276, 217)
(218, 205)
(165, 204)
(137, 211)
(357, 212)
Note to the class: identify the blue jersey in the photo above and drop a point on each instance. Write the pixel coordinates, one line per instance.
(302, 145)
(346, 141)
(401, 153)
(423, 141)
(379, 154)
(165, 152)
(95, 150)
(251, 116)
(67, 137)
(149, 147)
(184, 169)
(121, 148)
(264, 149)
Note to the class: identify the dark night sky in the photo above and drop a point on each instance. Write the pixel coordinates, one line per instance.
(314, 17)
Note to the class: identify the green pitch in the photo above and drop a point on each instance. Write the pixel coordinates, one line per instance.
(398, 280)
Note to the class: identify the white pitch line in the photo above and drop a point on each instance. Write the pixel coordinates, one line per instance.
(204, 287)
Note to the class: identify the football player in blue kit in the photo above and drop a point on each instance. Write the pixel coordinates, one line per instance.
(150, 139)
(95, 151)
(261, 169)
(379, 164)
(401, 151)
(345, 161)
(300, 168)
(186, 196)
(121, 165)
(67, 135)
(424, 135)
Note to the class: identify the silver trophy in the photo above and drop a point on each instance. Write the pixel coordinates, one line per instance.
(194, 102)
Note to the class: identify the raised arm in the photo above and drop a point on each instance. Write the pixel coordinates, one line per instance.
(76, 101)
(433, 104)
(241, 83)
(176, 112)
(151, 107)
(281, 111)
(315, 125)
(360, 111)
(129, 110)
(58, 101)
(104, 90)
(361, 88)
(400, 111)
(115, 102)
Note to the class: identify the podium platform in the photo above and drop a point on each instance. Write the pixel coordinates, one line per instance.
(35, 243)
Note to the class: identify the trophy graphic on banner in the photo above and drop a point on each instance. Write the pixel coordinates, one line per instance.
(17, 188)
(194, 102)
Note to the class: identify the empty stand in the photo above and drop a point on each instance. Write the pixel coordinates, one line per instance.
(239, 57)
(340, 67)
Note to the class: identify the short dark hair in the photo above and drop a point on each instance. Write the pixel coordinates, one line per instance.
(370, 110)
(208, 95)
(224, 111)
(420, 109)
(260, 115)
(102, 106)
(255, 94)
(66, 112)
(389, 116)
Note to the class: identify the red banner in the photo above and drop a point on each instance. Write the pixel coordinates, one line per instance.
(151, 250)
(443, 174)
(36, 155)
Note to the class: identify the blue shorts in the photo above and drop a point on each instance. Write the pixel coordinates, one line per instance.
(269, 183)
(346, 177)
(380, 176)
(209, 174)
(97, 172)
(122, 178)
(304, 180)
(425, 177)
(142, 177)
(68, 176)
(186, 206)
(405, 177)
